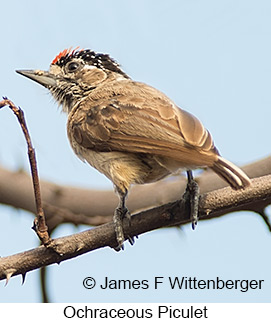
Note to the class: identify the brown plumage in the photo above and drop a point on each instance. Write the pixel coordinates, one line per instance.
(129, 131)
(145, 125)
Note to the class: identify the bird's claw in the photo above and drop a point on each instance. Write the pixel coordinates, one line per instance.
(119, 215)
(192, 196)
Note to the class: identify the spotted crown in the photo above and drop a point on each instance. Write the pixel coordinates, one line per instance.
(102, 61)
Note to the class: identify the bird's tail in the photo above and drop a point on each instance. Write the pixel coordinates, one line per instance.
(231, 173)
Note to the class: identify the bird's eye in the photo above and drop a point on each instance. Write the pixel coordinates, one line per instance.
(73, 66)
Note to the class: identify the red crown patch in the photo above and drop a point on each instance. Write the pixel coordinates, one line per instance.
(64, 53)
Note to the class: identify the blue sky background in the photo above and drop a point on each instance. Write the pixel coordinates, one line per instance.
(213, 59)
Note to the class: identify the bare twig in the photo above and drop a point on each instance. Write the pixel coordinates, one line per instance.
(44, 291)
(39, 223)
(212, 204)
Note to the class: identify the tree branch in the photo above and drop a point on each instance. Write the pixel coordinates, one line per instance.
(64, 204)
(212, 204)
(40, 226)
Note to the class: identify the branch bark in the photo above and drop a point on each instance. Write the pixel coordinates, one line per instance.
(81, 206)
(212, 204)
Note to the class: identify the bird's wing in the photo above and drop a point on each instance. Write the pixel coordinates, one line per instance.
(144, 122)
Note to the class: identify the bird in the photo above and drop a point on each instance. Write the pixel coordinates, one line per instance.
(128, 130)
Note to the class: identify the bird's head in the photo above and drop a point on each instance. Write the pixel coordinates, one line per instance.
(74, 73)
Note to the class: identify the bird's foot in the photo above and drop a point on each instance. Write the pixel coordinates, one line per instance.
(119, 214)
(192, 195)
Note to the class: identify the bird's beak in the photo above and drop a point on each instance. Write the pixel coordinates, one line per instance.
(42, 77)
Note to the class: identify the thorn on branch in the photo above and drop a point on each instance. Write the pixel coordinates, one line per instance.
(265, 217)
(40, 226)
(9, 273)
(23, 278)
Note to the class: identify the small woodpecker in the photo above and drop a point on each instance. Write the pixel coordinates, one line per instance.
(128, 130)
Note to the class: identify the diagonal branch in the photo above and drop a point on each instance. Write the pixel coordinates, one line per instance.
(213, 204)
